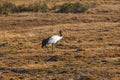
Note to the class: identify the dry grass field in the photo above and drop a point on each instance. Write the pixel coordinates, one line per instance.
(89, 50)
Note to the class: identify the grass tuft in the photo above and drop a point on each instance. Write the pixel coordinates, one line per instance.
(73, 8)
(8, 7)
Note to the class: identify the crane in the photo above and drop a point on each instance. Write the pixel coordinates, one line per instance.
(52, 40)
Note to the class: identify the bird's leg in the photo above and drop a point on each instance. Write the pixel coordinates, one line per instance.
(47, 48)
(52, 48)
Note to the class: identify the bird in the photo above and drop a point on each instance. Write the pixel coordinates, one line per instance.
(52, 40)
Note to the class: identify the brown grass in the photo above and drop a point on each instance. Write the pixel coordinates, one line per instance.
(89, 49)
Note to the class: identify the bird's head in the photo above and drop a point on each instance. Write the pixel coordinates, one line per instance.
(61, 31)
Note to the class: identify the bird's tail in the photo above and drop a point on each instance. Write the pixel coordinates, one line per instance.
(42, 45)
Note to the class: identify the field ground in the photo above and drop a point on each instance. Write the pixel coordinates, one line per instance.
(89, 50)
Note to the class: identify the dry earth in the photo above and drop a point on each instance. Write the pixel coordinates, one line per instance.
(89, 50)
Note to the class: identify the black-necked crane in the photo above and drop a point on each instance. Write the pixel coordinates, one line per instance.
(52, 40)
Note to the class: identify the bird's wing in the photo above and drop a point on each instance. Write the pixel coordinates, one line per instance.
(54, 39)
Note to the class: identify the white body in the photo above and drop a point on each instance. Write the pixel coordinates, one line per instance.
(54, 39)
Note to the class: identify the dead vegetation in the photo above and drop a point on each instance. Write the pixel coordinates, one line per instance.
(89, 50)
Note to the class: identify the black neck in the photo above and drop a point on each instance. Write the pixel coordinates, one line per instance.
(60, 33)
